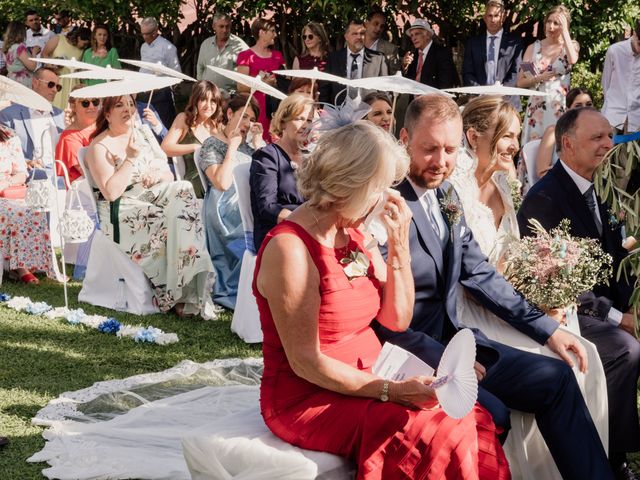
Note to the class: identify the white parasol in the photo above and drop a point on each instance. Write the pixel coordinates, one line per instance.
(15, 92)
(159, 69)
(254, 84)
(396, 84)
(108, 73)
(72, 63)
(314, 75)
(497, 89)
(124, 87)
(456, 383)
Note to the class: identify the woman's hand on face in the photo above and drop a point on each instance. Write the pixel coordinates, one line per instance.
(397, 218)
(564, 25)
(414, 392)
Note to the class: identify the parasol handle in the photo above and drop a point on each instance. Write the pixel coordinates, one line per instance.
(244, 109)
(393, 112)
(150, 97)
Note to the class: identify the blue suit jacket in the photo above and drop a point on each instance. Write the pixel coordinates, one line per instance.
(437, 274)
(475, 58)
(555, 197)
(18, 118)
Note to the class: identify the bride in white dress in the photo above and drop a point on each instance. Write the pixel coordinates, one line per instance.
(484, 179)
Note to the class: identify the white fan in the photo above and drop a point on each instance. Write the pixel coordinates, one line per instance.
(456, 384)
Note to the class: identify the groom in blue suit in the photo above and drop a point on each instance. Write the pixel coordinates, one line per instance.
(583, 136)
(443, 255)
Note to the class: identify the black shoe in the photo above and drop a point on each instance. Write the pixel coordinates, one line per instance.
(4, 441)
(624, 472)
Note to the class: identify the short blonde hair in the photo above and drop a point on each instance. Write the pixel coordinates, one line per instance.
(349, 165)
(289, 108)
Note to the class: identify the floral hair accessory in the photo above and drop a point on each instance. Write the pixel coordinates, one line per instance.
(355, 264)
(451, 207)
(350, 111)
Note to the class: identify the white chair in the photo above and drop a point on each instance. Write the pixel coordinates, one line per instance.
(246, 320)
(529, 153)
(108, 265)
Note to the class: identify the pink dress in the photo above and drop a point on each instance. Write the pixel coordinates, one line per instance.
(258, 64)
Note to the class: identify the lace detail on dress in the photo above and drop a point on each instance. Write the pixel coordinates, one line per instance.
(91, 404)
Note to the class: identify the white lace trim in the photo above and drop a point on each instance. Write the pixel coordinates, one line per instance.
(65, 406)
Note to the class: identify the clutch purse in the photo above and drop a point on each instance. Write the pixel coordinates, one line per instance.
(14, 192)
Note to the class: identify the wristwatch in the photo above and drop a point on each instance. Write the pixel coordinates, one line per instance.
(384, 396)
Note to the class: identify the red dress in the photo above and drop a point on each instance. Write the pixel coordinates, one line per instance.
(258, 64)
(69, 143)
(386, 440)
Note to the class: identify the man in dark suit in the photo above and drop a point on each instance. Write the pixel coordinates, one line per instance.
(430, 63)
(445, 255)
(495, 55)
(353, 61)
(583, 137)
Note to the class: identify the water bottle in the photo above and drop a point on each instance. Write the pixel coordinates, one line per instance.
(121, 304)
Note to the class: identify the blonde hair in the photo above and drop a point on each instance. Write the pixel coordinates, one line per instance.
(485, 113)
(561, 10)
(289, 108)
(349, 166)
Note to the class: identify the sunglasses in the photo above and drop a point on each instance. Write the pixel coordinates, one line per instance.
(85, 103)
(307, 37)
(55, 85)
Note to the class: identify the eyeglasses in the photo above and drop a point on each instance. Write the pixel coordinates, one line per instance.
(55, 85)
(307, 37)
(85, 103)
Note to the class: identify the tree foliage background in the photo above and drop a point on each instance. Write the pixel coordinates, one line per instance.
(595, 23)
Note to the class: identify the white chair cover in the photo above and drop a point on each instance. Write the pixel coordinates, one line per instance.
(529, 153)
(246, 320)
(107, 264)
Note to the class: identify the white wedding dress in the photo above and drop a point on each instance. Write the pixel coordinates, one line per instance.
(197, 421)
(528, 455)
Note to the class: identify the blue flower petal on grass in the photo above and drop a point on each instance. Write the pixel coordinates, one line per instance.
(74, 317)
(38, 308)
(110, 325)
(5, 297)
(146, 335)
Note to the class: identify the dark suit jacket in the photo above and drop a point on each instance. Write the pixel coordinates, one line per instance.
(475, 58)
(273, 187)
(438, 70)
(556, 197)
(374, 65)
(437, 274)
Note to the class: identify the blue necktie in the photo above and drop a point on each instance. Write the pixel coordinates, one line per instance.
(593, 207)
(491, 61)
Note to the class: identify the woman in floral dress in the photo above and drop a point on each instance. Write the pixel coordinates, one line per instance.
(24, 234)
(153, 219)
(546, 67)
(19, 67)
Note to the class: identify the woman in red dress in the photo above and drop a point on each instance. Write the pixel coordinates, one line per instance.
(319, 283)
(261, 59)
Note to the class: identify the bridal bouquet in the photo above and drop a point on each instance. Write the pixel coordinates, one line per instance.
(554, 268)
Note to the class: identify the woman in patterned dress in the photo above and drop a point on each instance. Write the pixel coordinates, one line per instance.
(551, 60)
(153, 219)
(24, 234)
(19, 66)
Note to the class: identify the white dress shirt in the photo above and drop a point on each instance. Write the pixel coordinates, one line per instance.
(359, 61)
(614, 315)
(621, 86)
(492, 67)
(39, 40)
(160, 50)
(45, 134)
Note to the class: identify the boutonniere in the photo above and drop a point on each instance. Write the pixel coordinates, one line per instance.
(515, 188)
(451, 207)
(355, 264)
(616, 218)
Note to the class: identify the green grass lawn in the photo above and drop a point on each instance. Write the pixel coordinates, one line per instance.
(40, 359)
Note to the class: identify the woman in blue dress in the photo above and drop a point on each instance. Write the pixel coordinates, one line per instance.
(218, 156)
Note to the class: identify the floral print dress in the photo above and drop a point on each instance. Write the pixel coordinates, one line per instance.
(24, 234)
(161, 229)
(543, 112)
(16, 70)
